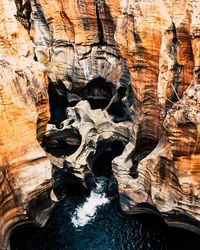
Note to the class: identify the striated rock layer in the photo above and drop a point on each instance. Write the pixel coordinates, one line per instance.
(25, 171)
(126, 71)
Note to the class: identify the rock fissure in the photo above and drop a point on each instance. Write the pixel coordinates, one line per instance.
(99, 25)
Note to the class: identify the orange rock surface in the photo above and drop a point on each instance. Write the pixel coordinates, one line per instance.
(25, 171)
(153, 46)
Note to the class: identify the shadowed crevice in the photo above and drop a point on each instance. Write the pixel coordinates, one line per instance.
(58, 104)
(102, 161)
(100, 27)
(142, 149)
(97, 92)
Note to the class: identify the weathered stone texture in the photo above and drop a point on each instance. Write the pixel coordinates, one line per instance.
(150, 46)
(24, 167)
(25, 171)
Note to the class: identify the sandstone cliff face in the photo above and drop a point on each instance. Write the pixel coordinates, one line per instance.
(25, 171)
(135, 65)
(74, 47)
(162, 59)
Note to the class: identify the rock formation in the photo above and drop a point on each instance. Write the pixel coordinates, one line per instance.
(118, 70)
(25, 171)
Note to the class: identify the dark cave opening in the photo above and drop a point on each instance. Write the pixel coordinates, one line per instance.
(58, 104)
(182, 239)
(97, 103)
(62, 149)
(66, 184)
(98, 93)
(117, 110)
(102, 163)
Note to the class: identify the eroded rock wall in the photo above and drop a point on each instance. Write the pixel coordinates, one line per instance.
(25, 171)
(137, 61)
(162, 57)
(158, 42)
(75, 41)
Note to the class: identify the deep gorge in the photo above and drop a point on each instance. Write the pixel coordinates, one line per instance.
(99, 111)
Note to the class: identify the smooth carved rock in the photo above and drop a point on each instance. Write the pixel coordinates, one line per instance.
(169, 176)
(95, 127)
(68, 44)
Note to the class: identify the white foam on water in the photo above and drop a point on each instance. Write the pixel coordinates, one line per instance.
(87, 211)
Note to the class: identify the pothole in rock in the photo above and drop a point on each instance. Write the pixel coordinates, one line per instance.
(100, 94)
(66, 183)
(59, 144)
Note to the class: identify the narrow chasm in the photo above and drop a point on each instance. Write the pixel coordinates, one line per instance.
(81, 136)
(102, 162)
(99, 25)
(58, 103)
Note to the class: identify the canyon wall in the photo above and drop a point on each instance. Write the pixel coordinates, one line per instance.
(126, 71)
(25, 171)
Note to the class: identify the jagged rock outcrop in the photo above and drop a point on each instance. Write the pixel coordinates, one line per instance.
(95, 52)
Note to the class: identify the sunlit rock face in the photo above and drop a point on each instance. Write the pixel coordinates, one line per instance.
(25, 171)
(117, 70)
(161, 52)
(75, 41)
